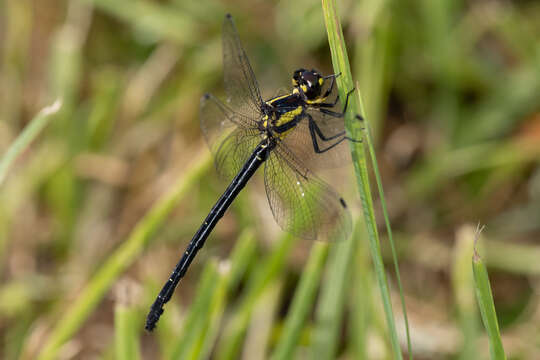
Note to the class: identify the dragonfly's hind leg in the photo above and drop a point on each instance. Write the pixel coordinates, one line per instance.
(315, 131)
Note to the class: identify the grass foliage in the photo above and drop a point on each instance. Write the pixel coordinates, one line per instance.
(101, 191)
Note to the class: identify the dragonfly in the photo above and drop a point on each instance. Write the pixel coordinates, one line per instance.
(287, 134)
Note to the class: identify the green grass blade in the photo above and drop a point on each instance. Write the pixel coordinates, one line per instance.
(487, 307)
(262, 327)
(126, 325)
(345, 83)
(262, 277)
(215, 315)
(361, 297)
(330, 311)
(373, 157)
(91, 295)
(229, 277)
(243, 253)
(513, 257)
(197, 318)
(302, 303)
(463, 288)
(206, 312)
(30, 132)
(159, 20)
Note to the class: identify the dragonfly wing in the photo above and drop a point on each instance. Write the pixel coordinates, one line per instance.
(300, 142)
(231, 136)
(240, 83)
(301, 203)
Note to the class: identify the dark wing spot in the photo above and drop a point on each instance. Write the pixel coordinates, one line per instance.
(343, 203)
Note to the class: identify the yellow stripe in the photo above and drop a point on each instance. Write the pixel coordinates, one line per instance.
(316, 101)
(271, 101)
(288, 116)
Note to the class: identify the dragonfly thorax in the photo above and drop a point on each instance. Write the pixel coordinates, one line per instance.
(282, 114)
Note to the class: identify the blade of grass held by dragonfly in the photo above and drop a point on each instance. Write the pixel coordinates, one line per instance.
(30, 132)
(373, 157)
(93, 293)
(341, 65)
(302, 303)
(486, 306)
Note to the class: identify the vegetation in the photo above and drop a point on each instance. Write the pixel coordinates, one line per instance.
(104, 177)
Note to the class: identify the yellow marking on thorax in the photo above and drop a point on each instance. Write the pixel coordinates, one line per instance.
(316, 101)
(271, 101)
(288, 117)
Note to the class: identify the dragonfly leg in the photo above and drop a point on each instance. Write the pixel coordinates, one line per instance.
(321, 106)
(316, 147)
(331, 87)
(315, 131)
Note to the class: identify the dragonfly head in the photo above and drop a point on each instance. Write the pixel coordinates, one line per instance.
(310, 82)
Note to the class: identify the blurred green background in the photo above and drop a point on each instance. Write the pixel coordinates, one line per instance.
(96, 211)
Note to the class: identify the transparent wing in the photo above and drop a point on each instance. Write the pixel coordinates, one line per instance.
(300, 141)
(231, 136)
(217, 119)
(279, 92)
(301, 203)
(240, 82)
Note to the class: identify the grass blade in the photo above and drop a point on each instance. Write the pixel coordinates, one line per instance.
(361, 298)
(197, 318)
(229, 346)
(96, 289)
(126, 324)
(331, 308)
(380, 189)
(487, 307)
(341, 65)
(463, 286)
(261, 327)
(208, 306)
(215, 315)
(302, 302)
(30, 132)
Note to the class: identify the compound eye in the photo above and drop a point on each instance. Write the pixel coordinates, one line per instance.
(298, 77)
(310, 78)
(298, 74)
